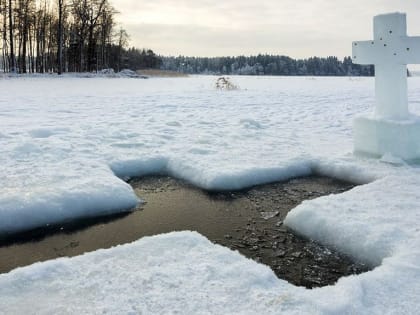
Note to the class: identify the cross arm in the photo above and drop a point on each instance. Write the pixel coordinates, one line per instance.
(365, 52)
(398, 50)
(411, 49)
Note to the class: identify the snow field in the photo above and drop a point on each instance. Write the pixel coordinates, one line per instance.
(60, 136)
(62, 141)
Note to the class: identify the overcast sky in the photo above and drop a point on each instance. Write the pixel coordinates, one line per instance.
(297, 28)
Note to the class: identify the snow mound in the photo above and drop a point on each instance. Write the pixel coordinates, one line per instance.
(107, 72)
(127, 73)
(184, 273)
(180, 273)
(64, 199)
(369, 223)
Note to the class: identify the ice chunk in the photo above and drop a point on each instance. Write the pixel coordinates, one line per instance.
(377, 137)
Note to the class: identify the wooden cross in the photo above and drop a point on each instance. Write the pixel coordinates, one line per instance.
(390, 51)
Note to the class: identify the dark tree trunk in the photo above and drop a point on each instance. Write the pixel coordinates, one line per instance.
(12, 39)
(60, 37)
(91, 50)
(24, 41)
(4, 52)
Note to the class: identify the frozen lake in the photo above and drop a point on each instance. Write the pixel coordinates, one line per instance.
(64, 140)
(60, 137)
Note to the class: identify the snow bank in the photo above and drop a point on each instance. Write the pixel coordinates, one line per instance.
(59, 198)
(184, 273)
(180, 273)
(370, 228)
(105, 73)
(61, 148)
(211, 179)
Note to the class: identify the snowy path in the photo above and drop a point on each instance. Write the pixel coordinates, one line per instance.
(62, 140)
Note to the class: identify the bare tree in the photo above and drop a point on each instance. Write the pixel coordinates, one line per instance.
(61, 7)
(94, 13)
(24, 14)
(3, 16)
(122, 43)
(106, 26)
(12, 61)
(62, 35)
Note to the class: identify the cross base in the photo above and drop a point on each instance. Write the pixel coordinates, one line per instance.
(375, 137)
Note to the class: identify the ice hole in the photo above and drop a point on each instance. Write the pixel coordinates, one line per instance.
(249, 221)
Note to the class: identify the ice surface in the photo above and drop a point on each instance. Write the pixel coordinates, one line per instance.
(62, 141)
(61, 137)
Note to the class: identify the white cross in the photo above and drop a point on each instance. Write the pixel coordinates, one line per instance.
(390, 52)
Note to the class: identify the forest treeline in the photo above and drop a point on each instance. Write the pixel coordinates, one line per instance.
(266, 65)
(40, 36)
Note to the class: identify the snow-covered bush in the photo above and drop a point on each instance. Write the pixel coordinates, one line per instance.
(109, 71)
(127, 73)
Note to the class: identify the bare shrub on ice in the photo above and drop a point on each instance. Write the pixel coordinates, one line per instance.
(224, 83)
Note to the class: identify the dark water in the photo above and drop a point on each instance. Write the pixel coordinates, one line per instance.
(248, 221)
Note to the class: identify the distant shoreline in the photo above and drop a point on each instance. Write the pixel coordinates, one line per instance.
(162, 73)
(156, 73)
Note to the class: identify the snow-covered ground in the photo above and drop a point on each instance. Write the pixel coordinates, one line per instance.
(63, 140)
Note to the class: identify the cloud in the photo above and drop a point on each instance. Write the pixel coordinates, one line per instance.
(173, 39)
(296, 28)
